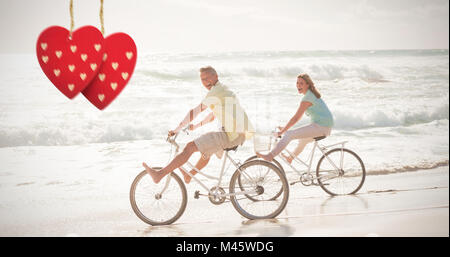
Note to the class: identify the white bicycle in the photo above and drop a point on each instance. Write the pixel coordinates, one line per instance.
(339, 171)
(165, 202)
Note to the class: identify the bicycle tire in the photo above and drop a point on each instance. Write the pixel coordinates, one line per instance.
(279, 174)
(363, 171)
(276, 163)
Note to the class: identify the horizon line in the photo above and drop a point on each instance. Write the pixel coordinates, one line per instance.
(269, 50)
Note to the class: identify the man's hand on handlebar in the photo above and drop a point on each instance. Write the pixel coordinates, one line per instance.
(172, 133)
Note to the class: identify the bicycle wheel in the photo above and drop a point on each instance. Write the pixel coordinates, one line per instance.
(158, 204)
(278, 166)
(254, 197)
(340, 172)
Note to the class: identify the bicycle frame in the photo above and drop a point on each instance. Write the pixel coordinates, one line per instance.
(323, 150)
(219, 179)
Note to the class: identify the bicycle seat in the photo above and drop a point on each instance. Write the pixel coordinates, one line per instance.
(231, 148)
(319, 138)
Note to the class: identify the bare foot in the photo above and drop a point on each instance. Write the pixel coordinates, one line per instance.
(288, 158)
(267, 157)
(187, 178)
(156, 176)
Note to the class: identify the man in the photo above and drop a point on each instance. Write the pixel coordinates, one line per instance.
(226, 108)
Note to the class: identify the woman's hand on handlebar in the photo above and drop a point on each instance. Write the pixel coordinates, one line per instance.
(278, 132)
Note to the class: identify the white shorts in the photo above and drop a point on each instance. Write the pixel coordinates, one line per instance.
(215, 142)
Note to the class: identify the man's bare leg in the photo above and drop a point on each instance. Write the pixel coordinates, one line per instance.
(179, 160)
(200, 165)
(287, 157)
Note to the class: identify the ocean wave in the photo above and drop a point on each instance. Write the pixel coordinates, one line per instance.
(386, 118)
(321, 65)
(316, 71)
(128, 130)
(258, 55)
(408, 168)
(169, 75)
(46, 136)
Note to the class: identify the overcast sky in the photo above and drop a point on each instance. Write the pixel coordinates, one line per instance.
(238, 25)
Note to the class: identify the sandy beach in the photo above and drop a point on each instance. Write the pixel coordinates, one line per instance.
(412, 203)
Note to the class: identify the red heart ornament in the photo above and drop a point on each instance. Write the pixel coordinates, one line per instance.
(70, 63)
(118, 65)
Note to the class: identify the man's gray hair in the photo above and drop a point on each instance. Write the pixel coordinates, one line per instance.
(208, 69)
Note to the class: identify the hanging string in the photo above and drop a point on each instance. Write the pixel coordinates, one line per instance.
(101, 17)
(72, 23)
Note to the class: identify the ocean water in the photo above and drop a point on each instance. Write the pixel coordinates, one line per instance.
(391, 106)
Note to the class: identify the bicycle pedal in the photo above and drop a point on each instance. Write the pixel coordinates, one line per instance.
(197, 194)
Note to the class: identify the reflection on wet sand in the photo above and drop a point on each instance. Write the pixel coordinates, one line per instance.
(284, 226)
(163, 231)
(343, 204)
(264, 228)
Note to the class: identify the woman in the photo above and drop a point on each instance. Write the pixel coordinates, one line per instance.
(315, 107)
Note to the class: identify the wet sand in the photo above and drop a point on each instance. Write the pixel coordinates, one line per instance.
(401, 204)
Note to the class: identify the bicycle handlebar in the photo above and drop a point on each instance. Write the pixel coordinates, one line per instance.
(172, 140)
(274, 133)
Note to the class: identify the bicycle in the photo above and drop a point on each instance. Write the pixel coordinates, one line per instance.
(165, 202)
(333, 175)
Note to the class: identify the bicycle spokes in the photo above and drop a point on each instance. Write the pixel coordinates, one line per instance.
(340, 172)
(158, 204)
(265, 189)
